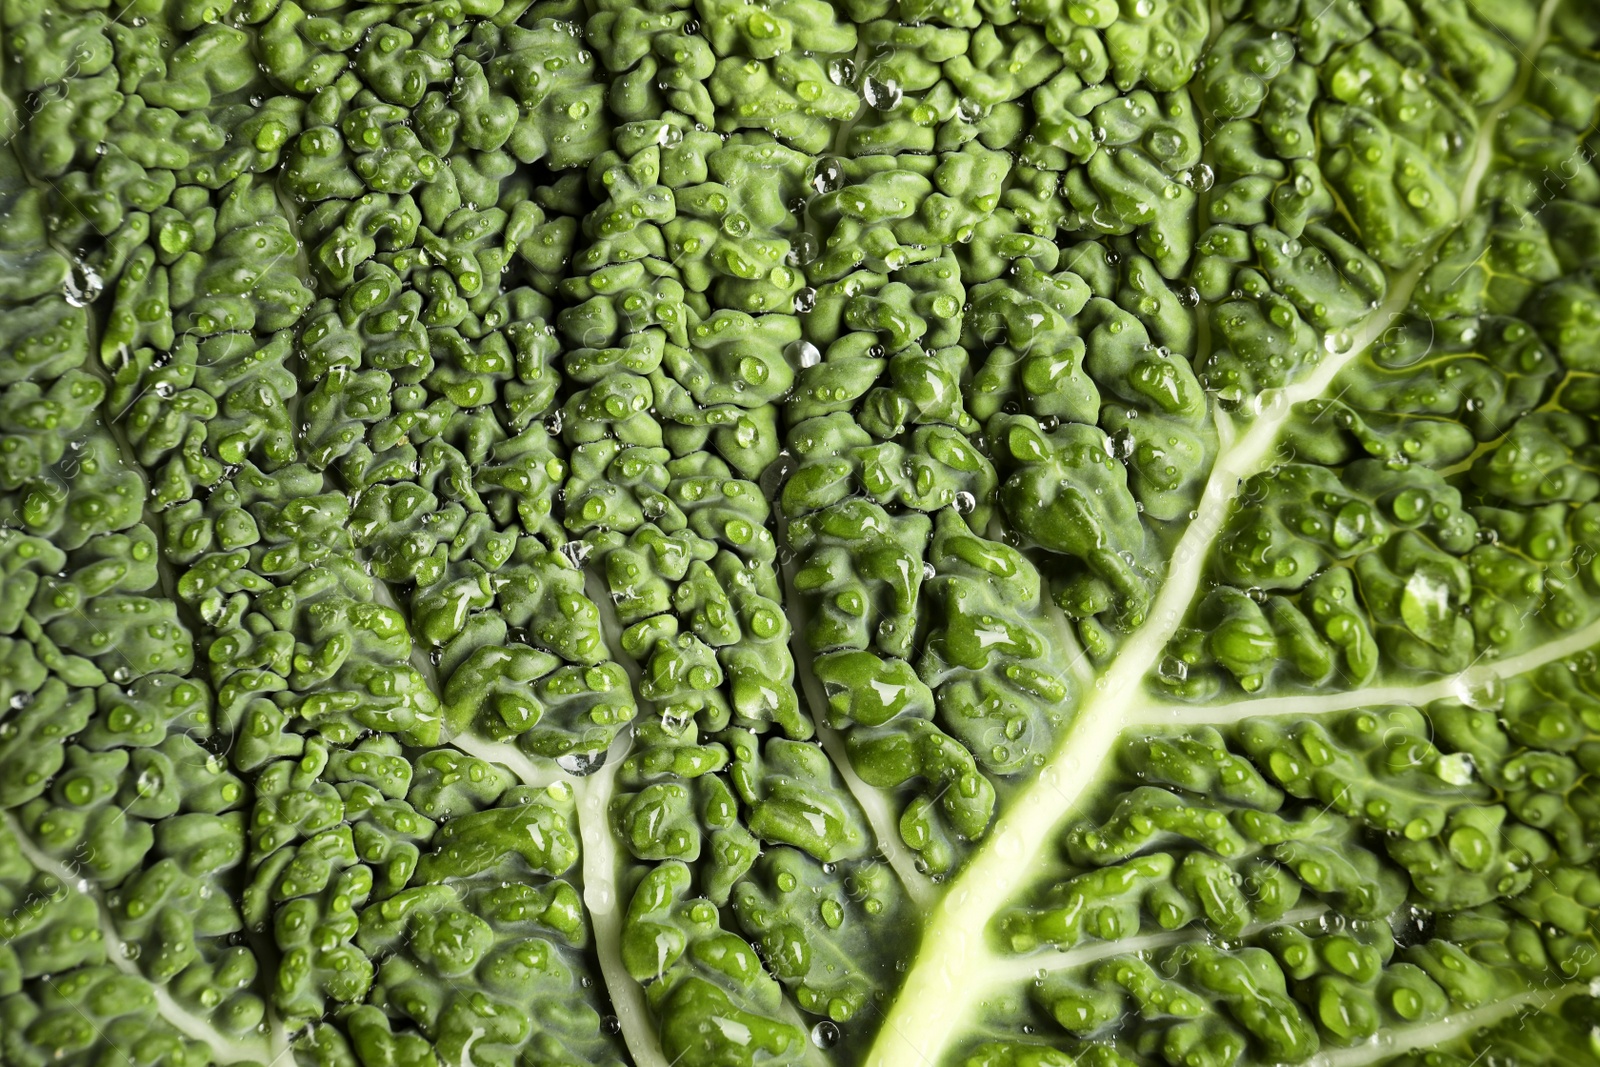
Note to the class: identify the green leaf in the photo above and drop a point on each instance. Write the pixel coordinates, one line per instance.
(875, 534)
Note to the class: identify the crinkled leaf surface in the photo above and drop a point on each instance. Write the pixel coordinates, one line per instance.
(1055, 533)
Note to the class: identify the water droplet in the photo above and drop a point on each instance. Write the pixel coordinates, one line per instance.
(576, 552)
(804, 353)
(1270, 403)
(1456, 768)
(883, 94)
(825, 1034)
(827, 175)
(1480, 689)
(581, 764)
(802, 250)
(82, 285)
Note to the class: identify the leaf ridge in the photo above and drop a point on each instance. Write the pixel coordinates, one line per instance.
(606, 913)
(874, 804)
(224, 1048)
(955, 960)
(1452, 685)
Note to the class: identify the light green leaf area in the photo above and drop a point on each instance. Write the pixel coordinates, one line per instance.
(799, 533)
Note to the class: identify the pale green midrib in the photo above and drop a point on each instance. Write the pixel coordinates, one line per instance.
(598, 852)
(1446, 687)
(1024, 968)
(602, 900)
(874, 803)
(601, 855)
(957, 965)
(1022, 832)
(225, 1049)
(602, 887)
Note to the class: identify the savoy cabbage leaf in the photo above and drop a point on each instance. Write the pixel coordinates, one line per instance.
(694, 533)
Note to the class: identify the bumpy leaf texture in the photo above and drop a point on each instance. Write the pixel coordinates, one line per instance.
(708, 533)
